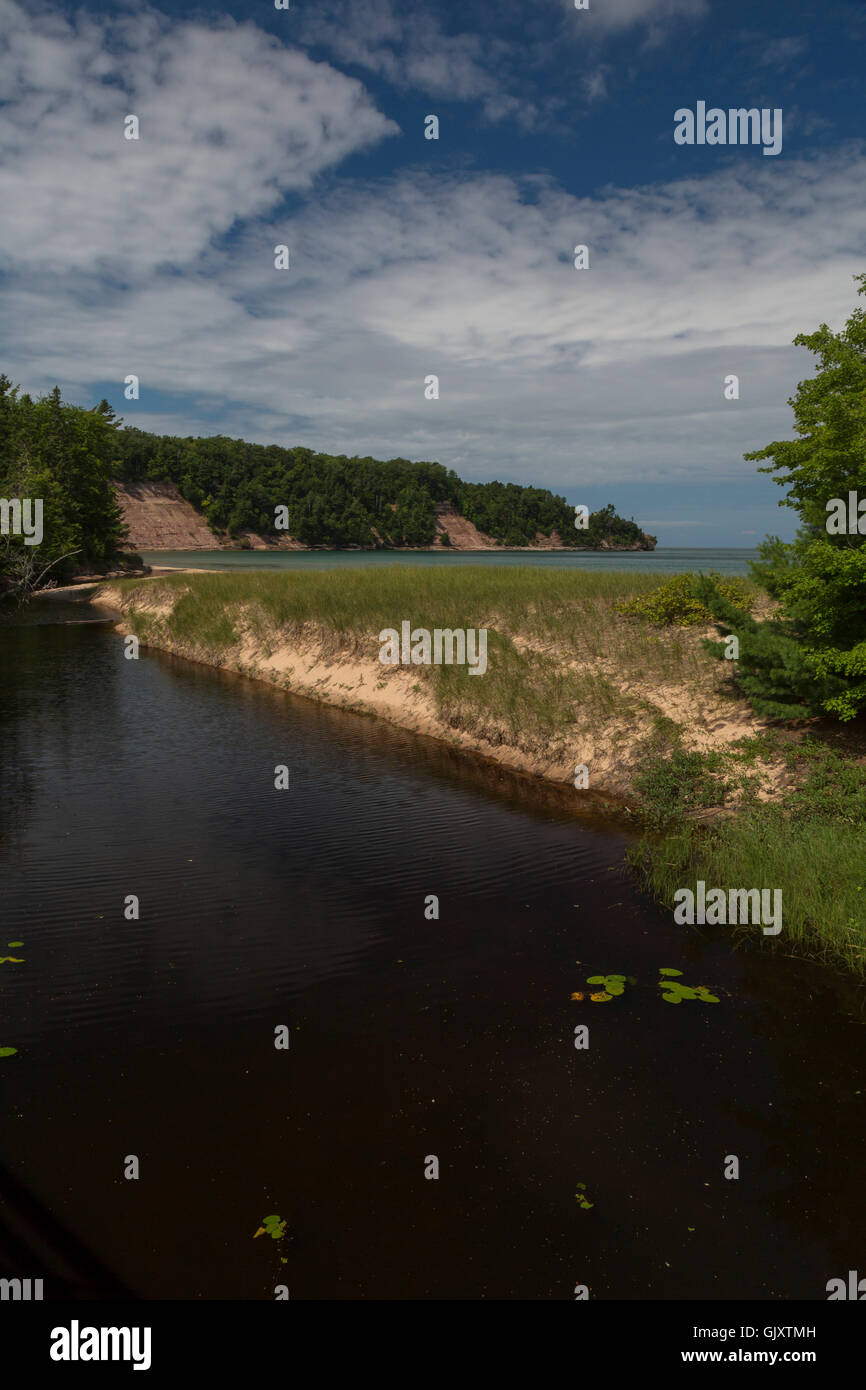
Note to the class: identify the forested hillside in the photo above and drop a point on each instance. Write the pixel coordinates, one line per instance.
(340, 501)
(64, 458)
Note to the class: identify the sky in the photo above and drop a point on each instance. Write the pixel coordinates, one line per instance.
(412, 257)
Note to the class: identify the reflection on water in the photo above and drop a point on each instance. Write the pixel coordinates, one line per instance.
(409, 1036)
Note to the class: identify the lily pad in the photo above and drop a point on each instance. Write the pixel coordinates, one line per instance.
(666, 970)
(8, 1051)
(673, 992)
(611, 985)
(601, 997)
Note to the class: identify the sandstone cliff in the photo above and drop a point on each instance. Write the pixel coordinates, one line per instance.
(159, 519)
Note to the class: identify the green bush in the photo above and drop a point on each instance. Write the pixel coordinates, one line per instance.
(676, 602)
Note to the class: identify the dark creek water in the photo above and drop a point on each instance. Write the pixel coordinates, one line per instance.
(409, 1037)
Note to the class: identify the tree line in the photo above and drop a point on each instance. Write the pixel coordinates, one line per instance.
(337, 501)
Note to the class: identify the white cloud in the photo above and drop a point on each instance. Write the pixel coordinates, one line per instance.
(502, 66)
(778, 53)
(547, 374)
(409, 47)
(230, 122)
(595, 83)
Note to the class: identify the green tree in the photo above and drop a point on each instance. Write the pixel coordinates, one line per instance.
(64, 457)
(810, 658)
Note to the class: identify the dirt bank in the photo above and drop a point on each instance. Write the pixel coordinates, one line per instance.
(158, 518)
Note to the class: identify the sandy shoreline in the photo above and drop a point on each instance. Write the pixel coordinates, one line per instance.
(312, 663)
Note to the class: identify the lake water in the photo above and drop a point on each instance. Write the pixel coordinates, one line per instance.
(409, 1037)
(667, 560)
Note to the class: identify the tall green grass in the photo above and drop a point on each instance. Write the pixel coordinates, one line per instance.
(363, 599)
(811, 844)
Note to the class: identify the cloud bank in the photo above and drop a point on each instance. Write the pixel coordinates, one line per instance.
(156, 258)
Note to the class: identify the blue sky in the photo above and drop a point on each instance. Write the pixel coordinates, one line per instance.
(454, 257)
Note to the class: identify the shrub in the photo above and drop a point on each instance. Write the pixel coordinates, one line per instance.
(676, 602)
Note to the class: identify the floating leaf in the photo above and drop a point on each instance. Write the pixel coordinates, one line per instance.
(14, 943)
(582, 1186)
(260, 1232)
(602, 997)
(8, 1051)
(16, 960)
(666, 970)
(703, 993)
(673, 992)
(578, 996)
(611, 985)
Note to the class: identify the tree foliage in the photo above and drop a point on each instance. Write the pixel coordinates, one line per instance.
(810, 658)
(66, 457)
(340, 501)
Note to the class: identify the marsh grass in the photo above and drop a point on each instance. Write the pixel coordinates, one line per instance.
(811, 844)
